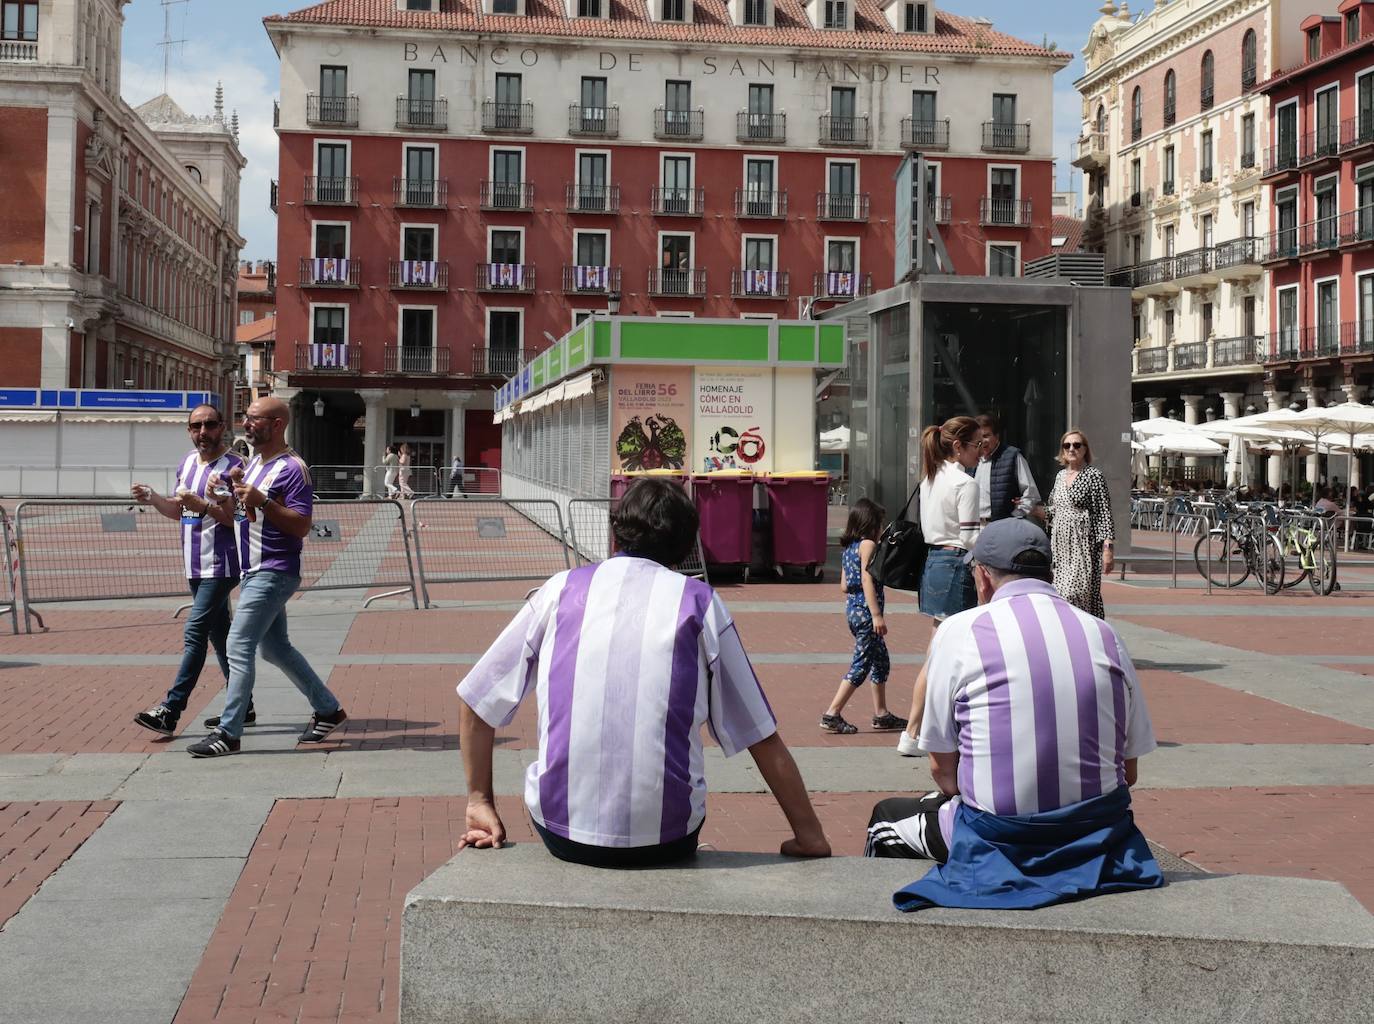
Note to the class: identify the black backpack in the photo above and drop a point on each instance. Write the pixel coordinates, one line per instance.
(900, 557)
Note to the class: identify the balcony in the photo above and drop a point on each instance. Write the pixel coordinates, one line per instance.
(1136, 131)
(424, 115)
(425, 193)
(1320, 145)
(1357, 227)
(331, 111)
(1004, 137)
(328, 358)
(1008, 213)
(18, 51)
(760, 203)
(1194, 267)
(759, 284)
(420, 360)
(1280, 160)
(845, 130)
(925, 135)
(679, 125)
(1357, 337)
(847, 206)
(682, 281)
(418, 275)
(1191, 355)
(505, 277)
(499, 362)
(941, 207)
(274, 195)
(1238, 259)
(1208, 97)
(760, 127)
(677, 202)
(1092, 151)
(593, 122)
(593, 198)
(590, 280)
(1154, 277)
(1152, 360)
(1281, 245)
(331, 191)
(330, 272)
(841, 284)
(515, 196)
(1283, 345)
(507, 118)
(1246, 350)
(1170, 115)
(1356, 133)
(1249, 77)
(1319, 237)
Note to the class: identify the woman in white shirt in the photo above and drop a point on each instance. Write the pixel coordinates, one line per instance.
(949, 514)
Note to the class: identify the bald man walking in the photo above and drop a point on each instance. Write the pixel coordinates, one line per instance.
(276, 499)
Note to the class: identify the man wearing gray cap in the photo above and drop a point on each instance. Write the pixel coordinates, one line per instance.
(1033, 719)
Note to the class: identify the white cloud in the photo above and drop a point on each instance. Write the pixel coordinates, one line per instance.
(246, 89)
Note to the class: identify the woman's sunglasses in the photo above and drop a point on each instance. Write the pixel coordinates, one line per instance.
(1069, 446)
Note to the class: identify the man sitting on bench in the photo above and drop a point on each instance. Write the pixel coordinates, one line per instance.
(629, 660)
(1033, 719)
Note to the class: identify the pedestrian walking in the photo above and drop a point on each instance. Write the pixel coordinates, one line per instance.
(455, 476)
(209, 549)
(277, 500)
(392, 461)
(1082, 537)
(863, 610)
(949, 514)
(403, 480)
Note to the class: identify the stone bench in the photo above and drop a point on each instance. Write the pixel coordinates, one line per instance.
(515, 935)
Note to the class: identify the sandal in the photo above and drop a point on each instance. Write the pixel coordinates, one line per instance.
(888, 722)
(837, 725)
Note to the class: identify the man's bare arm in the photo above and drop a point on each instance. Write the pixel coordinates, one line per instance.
(484, 825)
(944, 769)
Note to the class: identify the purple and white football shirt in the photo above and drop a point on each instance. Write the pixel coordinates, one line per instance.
(286, 480)
(628, 660)
(1040, 700)
(208, 549)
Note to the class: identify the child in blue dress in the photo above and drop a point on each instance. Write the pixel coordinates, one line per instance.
(863, 609)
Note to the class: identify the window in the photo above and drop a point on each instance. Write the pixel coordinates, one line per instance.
(331, 241)
(1168, 327)
(419, 5)
(1209, 73)
(1137, 324)
(508, 96)
(420, 97)
(1247, 140)
(1286, 135)
(842, 184)
(1352, 25)
(505, 246)
(505, 6)
(245, 316)
(836, 14)
(592, 175)
(1286, 219)
(1205, 156)
(1002, 260)
(756, 12)
(193, 172)
(592, 110)
(1248, 60)
(923, 107)
(1324, 192)
(327, 327)
(759, 122)
(591, 248)
(677, 108)
(677, 184)
(333, 93)
(420, 180)
(1100, 121)
(19, 20)
(92, 237)
(507, 178)
(760, 198)
(1004, 108)
(1328, 326)
(1288, 322)
(503, 331)
(1328, 129)
(1206, 321)
(1169, 236)
(1169, 170)
(589, 8)
(1365, 287)
(1364, 108)
(843, 103)
(1137, 251)
(841, 256)
(916, 18)
(674, 10)
(1364, 203)
(758, 254)
(1208, 231)
(1135, 182)
(675, 263)
(417, 244)
(1247, 219)
(1170, 97)
(331, 165)
(1248, 316)
(1003, 196)
(1314, 44)
(417, 332)
(1137, 112)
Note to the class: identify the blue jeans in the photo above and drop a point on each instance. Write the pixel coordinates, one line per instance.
(261, 620)
(206, 623)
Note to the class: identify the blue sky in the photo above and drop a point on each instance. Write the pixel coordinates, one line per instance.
(225, 42)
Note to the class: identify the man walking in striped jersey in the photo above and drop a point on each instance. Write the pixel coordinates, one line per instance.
(209, 549)
(277, 500)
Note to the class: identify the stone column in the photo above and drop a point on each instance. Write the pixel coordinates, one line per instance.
(1156, 407)
(1192, 406)
(1230, 401)
(1353, 393)
(374, 438)
(1314, 461)
(1275, 471)
(458, 433)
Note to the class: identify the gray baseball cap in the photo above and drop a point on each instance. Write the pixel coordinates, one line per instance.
(1015, 546)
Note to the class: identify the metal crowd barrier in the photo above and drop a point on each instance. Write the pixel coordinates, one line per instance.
(424, 481)
(9, 594)
(359, 544)
(482, 540)
(51, 481)
(589, 535)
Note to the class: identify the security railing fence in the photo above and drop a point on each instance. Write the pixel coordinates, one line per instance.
(9, 600)
(423, 481)
(83, 481)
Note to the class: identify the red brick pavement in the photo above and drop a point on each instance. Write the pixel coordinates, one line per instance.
(1298, 636)
(83, 631)
(36, 839)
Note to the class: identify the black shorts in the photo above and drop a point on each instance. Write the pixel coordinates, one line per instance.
(619, 856)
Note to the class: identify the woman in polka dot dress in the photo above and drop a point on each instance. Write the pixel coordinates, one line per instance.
(863, 610)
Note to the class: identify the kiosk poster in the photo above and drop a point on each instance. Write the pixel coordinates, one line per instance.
(734, 419)
(651, 414)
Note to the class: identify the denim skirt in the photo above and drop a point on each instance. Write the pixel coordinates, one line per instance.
(947, 584)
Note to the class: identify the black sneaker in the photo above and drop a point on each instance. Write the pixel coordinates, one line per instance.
(217, 744)
(159, 718)
(249, 719)
(322, 725)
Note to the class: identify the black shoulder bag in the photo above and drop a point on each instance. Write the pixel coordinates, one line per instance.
(900, 557)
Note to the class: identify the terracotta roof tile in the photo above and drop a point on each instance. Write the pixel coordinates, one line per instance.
(1070, 229)
(629, 20)
(263, 329)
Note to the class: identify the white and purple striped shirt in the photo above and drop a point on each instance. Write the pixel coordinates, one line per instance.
(1040, 700)
(285, 479)
(208, 549)
(628, 660)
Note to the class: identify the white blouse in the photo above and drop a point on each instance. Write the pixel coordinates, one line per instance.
(949, 508)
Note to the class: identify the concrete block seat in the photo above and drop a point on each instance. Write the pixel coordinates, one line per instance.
(515, 935)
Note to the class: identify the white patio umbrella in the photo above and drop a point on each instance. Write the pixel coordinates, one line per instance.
(1347, 420)
(836, 440)
(1157, 425)
(1182, 443)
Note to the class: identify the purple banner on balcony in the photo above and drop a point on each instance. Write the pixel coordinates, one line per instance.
(328, 356)
(419, 272)
(841, 282)
(760, 282)
(505, 275)
(589, 278)
(329, 270)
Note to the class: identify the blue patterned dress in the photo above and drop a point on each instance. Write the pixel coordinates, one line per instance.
(870, 650)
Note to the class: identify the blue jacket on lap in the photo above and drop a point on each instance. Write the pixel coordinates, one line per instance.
(1000, 862)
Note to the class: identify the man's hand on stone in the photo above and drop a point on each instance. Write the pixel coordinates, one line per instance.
(812, 846)
(485, 829)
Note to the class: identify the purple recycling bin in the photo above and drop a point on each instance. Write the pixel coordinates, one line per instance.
(725, 503)
(798, 502)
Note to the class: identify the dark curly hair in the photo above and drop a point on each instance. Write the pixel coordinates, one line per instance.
(865, 522)
(656, 520)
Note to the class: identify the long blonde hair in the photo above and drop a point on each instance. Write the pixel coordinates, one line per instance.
(937, 443)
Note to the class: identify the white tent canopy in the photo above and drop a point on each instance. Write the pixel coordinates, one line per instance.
(836, 440)
(1183, 444)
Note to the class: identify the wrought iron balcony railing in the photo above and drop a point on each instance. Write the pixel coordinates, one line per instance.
(331, 191)
(759, 284)
(422, 192)
(514, 118)
(925, 135)
(427, 115)
(505, 277)
(506, 195)
(760, 127)
(590, 280)
(418, 274)
(420, 360)
(340, 111)
(755, 202)
(845, 130)
(596, 122)
(1006, 137)
(593, 198)
(328, 357)
(678, 202)
(1013, 213)
(684, 281)
(330, 272)
(685, 125)
(851, 206)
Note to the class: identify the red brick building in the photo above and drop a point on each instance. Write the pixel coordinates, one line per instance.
(1319, 170)
(459, 185)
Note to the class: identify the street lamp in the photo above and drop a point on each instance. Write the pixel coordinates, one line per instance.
(415, 409)
(613, 303)
(319, 407)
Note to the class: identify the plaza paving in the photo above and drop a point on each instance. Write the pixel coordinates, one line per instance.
(268, 886)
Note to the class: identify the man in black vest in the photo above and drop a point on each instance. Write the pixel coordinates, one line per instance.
(1005, 484)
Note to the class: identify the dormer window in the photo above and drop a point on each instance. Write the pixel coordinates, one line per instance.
(672, 10)
(916, 17)
(836, 14)
(589, 8)
(515, 7)
(419, 5)
(1314, 44)
(756, 12)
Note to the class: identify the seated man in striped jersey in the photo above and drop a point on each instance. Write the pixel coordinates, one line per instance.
(1033, 719)
(628, 660)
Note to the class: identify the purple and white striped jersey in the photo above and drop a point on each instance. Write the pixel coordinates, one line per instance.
(285, 479)
(1040, 700)
(208, 549)
(628, 661)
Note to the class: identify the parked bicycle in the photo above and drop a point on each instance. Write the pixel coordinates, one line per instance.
(1310, 542)
(1238, 547)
